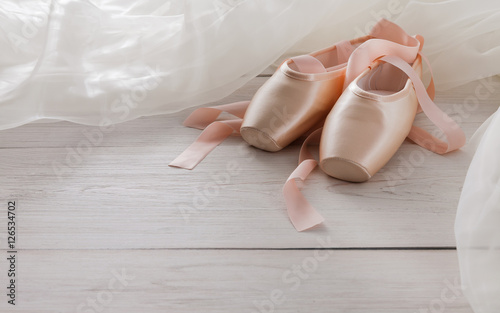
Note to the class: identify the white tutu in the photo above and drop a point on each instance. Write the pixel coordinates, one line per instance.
(105, 61)
(462, 37)
(478, 219)
(108, 61)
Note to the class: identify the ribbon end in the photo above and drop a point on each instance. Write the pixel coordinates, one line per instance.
(312, 222)
(180, 165)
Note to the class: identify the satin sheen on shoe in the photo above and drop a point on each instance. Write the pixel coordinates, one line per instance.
(303, 91)
(297, 97)
(358, 147)
(398, 49)
(369, 122)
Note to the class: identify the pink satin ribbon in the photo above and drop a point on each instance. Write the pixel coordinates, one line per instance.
(213, 135)
(302, 214)
(453, 133)
(214, 132)
(399, 51)
(305, 216)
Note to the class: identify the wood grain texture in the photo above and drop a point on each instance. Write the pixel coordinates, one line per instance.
(217, 239)
(158, 281)
(121, 193)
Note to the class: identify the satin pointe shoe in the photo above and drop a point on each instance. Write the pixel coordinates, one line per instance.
(302, 92)
(373, 117)
(369, 123)
(297, 97)
(366, 127)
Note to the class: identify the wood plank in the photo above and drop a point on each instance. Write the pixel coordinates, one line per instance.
(154, 281)
(122, 194)
(129, 198)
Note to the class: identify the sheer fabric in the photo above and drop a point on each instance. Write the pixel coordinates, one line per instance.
(109, 61)
(105, 61)
(477, 224)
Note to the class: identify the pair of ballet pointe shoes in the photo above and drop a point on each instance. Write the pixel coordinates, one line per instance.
(365, 93)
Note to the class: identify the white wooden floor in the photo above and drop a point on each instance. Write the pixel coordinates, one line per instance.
(120, 231)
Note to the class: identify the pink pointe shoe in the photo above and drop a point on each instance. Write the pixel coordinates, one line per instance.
(304, 89)
(373, 117)
(378, 81)
(369, 122)
(298, 96)
(366, 127)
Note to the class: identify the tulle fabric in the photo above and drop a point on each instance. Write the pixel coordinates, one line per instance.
(104, 61)
(478, 219)
(461, 37)
(108, 61)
